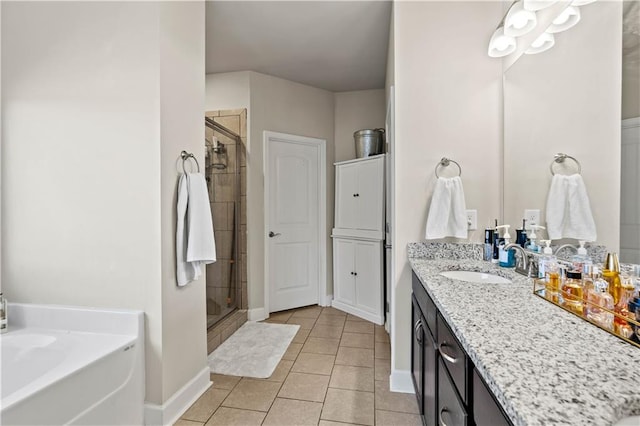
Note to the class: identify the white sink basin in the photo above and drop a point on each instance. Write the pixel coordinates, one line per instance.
(475, 277)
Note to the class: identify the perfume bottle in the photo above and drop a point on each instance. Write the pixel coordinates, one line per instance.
(587, 283)
(572, 292)
(611, 273)
(552, 280)
(621, 326)
(600, 309)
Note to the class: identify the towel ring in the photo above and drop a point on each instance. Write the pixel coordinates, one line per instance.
(559, 158)
(185, 156)
(444, 162)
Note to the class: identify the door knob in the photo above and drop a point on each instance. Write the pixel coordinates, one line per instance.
(273, 234)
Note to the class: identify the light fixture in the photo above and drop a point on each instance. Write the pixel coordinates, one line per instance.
(519, 21)
(534, 5)
(500, 44)
(544, 42)
(567, 19)
(581, 2)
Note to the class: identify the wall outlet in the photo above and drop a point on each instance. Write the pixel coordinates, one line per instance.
(472, 220)
(531, 217)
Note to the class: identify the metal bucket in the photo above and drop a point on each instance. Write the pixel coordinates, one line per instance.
(369, 142)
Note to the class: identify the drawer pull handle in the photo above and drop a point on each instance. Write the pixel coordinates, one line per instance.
(445, 355)
(440, 421)
(415, 331)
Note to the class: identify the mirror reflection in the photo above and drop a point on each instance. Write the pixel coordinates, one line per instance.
(572, 99)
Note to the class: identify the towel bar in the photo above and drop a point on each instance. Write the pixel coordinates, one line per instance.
(444, 162)
(559, 158)
(185, 156)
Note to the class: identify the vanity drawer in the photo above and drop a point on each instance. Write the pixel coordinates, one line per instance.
(454, 358)
(451, 410)
(427, 306)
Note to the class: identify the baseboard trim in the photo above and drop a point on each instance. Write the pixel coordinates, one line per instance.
(401, 381)
(357, 312)
(257, 314)
(327, 300)
(169, 412)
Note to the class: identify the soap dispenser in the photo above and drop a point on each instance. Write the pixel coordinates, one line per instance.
(547, 255)
(581, 259)
(533, 246)
(521, 235)
(507, 258)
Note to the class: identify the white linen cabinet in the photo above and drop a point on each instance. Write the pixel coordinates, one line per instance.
(358, 238)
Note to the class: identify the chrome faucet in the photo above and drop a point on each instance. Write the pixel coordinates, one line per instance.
(566, 246)
(522, 266)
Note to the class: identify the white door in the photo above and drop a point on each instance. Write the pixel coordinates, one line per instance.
(369, 195)
(293, 220)
(347, 196)
(344, 285)
(368, 265)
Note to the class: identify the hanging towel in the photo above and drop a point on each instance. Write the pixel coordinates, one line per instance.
(447, 214)
(195, 243)
(568, 209)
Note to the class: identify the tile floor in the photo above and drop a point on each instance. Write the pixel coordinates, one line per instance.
(335, 372)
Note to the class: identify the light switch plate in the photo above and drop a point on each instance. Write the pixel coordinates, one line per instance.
(472, 220)
(531, 217)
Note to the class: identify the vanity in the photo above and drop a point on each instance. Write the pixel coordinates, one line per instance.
(493, 353)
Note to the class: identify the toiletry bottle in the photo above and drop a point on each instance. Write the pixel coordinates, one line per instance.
(488, 244)
(600, 309)
(552, 280)
(533, 245)
(3, 314)
(581, 258)
(611, 273)
(621, 326)
(507, 258)
(572, 292)
(496, 242)
(521, 235)
(547, 254)
(587, 284)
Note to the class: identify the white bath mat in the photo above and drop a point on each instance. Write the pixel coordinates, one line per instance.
(253, 351)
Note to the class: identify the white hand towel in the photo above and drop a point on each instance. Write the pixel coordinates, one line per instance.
(448, 212)
(568, 209)
(195, 243)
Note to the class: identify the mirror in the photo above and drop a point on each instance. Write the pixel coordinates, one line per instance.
(568, 100)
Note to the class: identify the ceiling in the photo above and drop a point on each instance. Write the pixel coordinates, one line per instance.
(334, 45)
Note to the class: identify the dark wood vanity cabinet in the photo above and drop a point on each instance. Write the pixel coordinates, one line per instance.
(449, 390)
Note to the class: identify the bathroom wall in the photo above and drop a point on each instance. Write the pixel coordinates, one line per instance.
(568, 100)
(448, 97)
(277, 105)
(98, 100)
(362, 109)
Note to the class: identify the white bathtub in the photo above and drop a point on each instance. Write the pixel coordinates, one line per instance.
(67, 365)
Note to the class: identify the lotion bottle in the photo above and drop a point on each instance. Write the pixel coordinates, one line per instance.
(507, 258)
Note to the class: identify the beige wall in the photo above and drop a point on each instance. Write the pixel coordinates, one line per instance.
(182, 27)
(277, 105)
(448, 101)
(568, 100)
(280, 105)
(88, 166)
(362, 109)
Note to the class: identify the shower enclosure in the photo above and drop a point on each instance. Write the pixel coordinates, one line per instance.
(225, 172)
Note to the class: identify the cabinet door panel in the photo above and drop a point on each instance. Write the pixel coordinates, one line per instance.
(417, 339)
(370, 195)
(454, 357)
(430, 379)
(368, 281)
(486, 411)
(344, 267)
(346, 199)
(451, 412)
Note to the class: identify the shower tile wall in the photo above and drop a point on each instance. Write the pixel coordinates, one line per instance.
(225, 196)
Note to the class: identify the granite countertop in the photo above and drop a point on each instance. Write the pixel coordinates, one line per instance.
(544, 365)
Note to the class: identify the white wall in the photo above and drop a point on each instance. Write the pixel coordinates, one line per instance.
(282, 106)
(568, 100)
(362, 109)
(96, 108)
(448, 101)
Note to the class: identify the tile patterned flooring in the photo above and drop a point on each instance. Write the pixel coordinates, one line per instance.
(335, 372)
